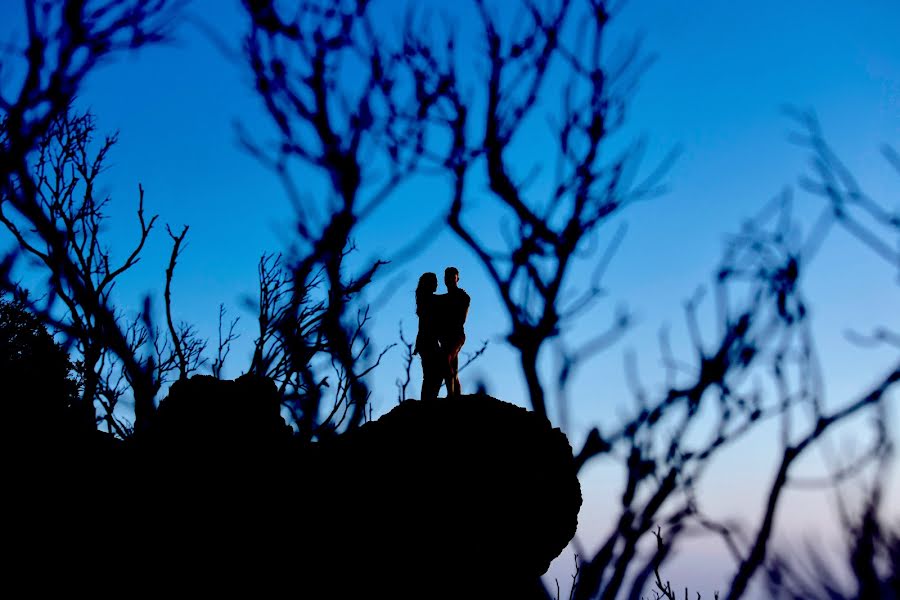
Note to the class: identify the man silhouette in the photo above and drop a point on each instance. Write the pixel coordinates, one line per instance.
(452, 335)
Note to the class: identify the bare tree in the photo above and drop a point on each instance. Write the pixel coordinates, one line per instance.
(546, 234)
(872, 548)
(762, 331)
(408, 358)
(292, 349)
(65, 41)
(289, 338)
(223, 349)
(187, 346)
(362, 143)
(871, 552)
(66, 174)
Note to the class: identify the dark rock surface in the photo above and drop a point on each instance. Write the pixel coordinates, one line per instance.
(448, 498)
(468, 493)
(240, 417)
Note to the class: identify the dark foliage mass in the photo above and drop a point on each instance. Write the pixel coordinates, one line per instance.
(39, 389)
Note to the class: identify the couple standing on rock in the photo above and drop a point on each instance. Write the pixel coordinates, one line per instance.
(441, 336)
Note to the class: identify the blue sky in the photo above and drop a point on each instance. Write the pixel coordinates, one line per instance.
(722, 73)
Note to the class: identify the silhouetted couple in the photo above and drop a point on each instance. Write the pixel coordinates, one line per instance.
(442, 319)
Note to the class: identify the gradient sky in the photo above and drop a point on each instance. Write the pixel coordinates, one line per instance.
(723, 72)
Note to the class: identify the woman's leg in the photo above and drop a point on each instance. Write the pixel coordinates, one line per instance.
(452, 375)
(426, 385)
(431, 376)
(446, 374)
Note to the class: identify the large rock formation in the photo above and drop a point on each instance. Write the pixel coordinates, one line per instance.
(463, 497)
(467, 495)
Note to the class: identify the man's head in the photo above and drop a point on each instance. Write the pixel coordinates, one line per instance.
(451, 278)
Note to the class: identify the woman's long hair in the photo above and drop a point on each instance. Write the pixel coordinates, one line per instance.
(427, 286)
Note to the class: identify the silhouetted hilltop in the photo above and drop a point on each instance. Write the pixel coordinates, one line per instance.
(467, 496)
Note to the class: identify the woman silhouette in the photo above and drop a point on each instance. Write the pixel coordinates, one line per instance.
(427, 346)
